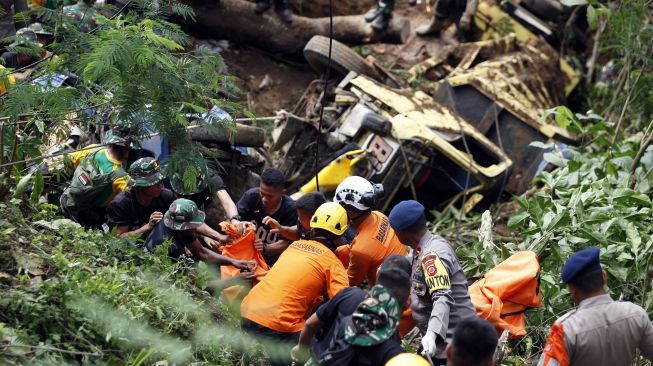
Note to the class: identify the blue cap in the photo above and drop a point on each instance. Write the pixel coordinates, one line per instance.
(581, 262)
(405, 214)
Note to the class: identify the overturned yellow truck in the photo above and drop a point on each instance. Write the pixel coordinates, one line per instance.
(461, 136)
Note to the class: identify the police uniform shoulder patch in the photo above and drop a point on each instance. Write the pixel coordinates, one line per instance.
(435, 273)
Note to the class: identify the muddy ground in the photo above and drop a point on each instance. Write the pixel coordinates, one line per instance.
(271, 82)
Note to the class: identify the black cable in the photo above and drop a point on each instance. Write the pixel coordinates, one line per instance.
(324, 99)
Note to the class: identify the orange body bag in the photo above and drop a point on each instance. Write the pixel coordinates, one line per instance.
(507, 291)
(242, 248)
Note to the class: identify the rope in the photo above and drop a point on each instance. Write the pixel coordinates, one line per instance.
(324, 98)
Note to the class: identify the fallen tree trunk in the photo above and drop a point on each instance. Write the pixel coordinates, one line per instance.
(235, 20)
(244, 135)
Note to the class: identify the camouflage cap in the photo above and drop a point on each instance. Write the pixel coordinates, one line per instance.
(38, 29)
(117, 136)
(83, 14)
(375, 319)
(145, 172)
(183, 214)
(25, 36)
(179, 187)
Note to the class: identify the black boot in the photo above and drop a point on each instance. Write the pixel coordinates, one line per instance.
(262, 6)
(381, 22)
(281, 7)
(373, 14)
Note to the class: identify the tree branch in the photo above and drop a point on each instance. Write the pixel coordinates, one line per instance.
(642, 149)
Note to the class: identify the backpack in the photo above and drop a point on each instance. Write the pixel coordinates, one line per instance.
(88, 184)
(339, 352)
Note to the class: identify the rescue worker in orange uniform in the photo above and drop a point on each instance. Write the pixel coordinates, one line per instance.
(375, 240)
(275, 309)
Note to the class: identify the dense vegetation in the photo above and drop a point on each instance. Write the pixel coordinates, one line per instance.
(76, 296)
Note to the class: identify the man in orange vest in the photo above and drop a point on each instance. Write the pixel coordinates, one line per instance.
(375, 240)
(276, 307)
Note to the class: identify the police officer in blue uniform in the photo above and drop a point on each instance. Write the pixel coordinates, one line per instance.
(439, 297)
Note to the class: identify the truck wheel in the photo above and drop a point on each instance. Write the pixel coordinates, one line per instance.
(343, 58)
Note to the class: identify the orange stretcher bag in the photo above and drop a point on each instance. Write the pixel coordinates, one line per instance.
(242, 248)
(507, 291)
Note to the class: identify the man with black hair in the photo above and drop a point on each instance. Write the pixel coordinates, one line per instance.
(600, 331)
(439, 288)
(306, 206)
(136, 211)
(341, 332)
(268, 199)
(474, 342)
(276, 307)
(375, 240)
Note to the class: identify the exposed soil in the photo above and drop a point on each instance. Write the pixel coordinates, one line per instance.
(289, 78)
(320, 8)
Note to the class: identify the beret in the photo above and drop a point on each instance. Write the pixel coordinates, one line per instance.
(581, 262)
(405, 214)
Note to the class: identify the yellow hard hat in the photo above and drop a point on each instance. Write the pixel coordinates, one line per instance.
(407, 359)
(331, 217)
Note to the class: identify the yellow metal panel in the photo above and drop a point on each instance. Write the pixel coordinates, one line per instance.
(405, 128)
(495, 23)
(419, 115)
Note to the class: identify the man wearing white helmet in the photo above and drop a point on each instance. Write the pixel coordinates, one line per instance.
(375, 240)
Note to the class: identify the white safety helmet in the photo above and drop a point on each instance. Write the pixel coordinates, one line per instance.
(358, 192)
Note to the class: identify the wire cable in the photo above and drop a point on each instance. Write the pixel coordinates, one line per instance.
(324, 99)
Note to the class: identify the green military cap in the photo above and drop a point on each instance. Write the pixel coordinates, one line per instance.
(375, 319)
(117, 136)
(25, 36)
(38, 29)
(179, 187)
(183, 214)
(145, 172)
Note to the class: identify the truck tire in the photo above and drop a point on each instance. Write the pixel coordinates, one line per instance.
(343, 58)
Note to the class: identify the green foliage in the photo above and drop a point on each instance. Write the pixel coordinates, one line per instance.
(623, 91)
(76, 296)
(137, 68)
(589, 199)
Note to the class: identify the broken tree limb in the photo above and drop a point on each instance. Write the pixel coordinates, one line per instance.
(235, 20)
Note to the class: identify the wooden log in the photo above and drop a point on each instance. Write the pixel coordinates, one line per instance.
(235, 20)
(244, 135)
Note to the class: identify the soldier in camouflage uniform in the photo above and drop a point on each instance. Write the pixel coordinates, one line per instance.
(360, 328)
(209, 192)
(380, 16)
(26, 50)
(375, 319)
(82, 14)
(439, 297)
(180, 224)
(136, 211)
